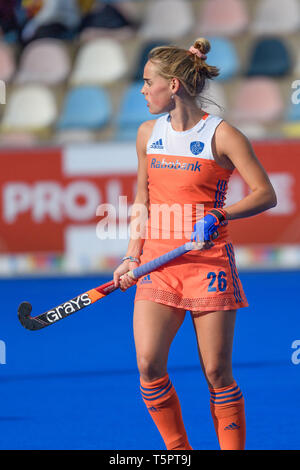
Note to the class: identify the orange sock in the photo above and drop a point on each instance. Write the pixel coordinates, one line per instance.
(163, 405)
(228, 412)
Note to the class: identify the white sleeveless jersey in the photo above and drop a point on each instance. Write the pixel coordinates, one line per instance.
(195, 142)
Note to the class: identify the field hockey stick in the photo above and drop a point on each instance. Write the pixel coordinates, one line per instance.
(87, 298)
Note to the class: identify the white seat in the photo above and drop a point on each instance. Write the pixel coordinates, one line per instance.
(77, 136)
(31, 107)
(167, 19)
(44, 61)
(99, 62)
(276, 17)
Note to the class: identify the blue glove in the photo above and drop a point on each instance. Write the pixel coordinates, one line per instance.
(206, 228)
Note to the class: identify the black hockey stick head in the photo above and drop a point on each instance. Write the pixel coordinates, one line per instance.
(26, 320)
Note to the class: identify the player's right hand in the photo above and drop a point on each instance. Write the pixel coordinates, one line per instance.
(121, 278)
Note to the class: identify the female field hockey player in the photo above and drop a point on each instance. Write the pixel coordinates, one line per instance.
(186, 157)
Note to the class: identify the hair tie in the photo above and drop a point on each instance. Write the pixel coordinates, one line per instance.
(198, 53)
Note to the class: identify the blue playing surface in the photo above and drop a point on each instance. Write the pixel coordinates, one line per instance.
(75, 385)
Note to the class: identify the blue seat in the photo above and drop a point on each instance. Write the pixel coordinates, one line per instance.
(133, 112)
(224, 56)
(85, 107)
(270, 57)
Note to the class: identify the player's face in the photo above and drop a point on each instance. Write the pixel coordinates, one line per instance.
(156, 90)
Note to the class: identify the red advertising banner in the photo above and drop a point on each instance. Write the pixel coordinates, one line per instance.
(40, 196)
(48, 197)
(280, 225)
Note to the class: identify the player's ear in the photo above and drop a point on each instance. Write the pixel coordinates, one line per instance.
(175, 85)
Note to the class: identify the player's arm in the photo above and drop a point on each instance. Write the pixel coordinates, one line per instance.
(234, 148)
(231, 144)
(141, 203)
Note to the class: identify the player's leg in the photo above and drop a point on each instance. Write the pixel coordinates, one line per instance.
(215, 333)
(155, 326)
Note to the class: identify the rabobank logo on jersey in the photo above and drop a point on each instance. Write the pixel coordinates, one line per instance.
(157, 145)
(178, 165)
(196, 147)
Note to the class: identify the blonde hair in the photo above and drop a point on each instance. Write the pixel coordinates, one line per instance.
(192, 71)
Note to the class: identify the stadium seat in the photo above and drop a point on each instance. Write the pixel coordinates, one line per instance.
(7, 62)
(132, 113)
(143, 57)
(213, 99)
(30, 107)
(276, 17)
(72, 136)
(44, 61)
(99, 62)
(222, 17)
(223, 55)
(105, 21)
(167, 19)
(18, 139)
(55, 19)
(270, 57)
(257, 100)
(85, 107)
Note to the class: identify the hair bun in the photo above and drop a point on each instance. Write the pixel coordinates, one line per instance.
(203, 45)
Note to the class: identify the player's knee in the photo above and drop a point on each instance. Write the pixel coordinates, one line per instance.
(218, 375)
(150, 369)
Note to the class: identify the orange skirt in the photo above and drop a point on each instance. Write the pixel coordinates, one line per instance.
(199, 281)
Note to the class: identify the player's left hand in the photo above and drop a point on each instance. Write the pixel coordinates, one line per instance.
(205, 229)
